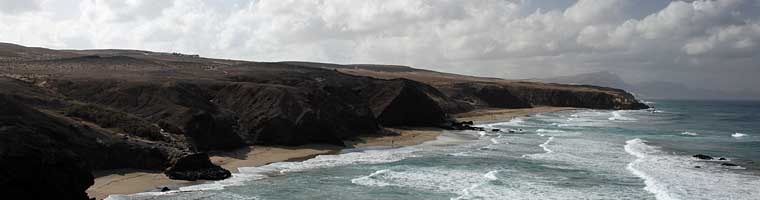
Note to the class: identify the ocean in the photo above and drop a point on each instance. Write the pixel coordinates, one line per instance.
(576, 154)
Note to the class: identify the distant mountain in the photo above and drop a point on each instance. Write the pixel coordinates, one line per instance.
(602, 78)
(647, 90)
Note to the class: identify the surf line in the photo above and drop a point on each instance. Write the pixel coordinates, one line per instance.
(638, 148)
(467, 192)
(545, 144)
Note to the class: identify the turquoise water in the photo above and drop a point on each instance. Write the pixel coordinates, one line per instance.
(580, 154)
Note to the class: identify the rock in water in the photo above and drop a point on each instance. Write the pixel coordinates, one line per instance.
(196, 167)
(729, 164)
(702, 157)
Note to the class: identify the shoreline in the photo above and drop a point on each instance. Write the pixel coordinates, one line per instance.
(491, 115)
(131, 181)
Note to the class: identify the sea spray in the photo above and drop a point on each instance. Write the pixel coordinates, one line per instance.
(738, 135)
(638, 148)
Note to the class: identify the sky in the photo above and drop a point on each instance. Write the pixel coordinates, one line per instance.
(709, 44)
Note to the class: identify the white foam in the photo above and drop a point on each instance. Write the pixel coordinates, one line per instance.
(321, 161)
(494, 141)
(429, 178)
(669, 176)
(365, 157)
(518, 121)
(738, 135)
(369, 178)
(689, 133)
(585, 118)
(492, 175)
(549, 131)
(460, 154)
(545, 145)
(169, 195)
(468, 193)
(734, 167)
(618, 116)
(636, 147)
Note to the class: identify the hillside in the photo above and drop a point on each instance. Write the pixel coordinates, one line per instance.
(469, 92)
(110, 109)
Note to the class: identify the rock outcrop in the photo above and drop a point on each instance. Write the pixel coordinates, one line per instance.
(196, 167)
(480, 95)
(468, 92)
(36, 154)
(403, 102)
(702, 157)
(577, 96)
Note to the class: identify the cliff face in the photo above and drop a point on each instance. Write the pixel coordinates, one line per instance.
(77, 111)
(467, 92)
(526, 95)
(34, 155)
(589, 97)
(405, 102)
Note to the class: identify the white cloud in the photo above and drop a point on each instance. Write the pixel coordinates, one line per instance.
(15, 7)
(513, 39)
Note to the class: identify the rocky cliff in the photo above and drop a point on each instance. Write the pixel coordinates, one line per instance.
(77, 111)
(468, 92)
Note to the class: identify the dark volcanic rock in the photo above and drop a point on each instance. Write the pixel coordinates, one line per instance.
(181, 107)
(702, 157)
(729, 164)
(209, 131)
(34, 162)
(456, 125)
(409, 102)
(196, 167)
(485, 95)
(589, 97)
(282, 115)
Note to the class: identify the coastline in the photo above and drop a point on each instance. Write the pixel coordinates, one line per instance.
(130, 181)
(491, 115)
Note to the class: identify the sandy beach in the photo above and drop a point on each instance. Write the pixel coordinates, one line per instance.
(497, 115)
(128, 181)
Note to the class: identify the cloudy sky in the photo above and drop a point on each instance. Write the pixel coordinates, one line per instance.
(707, 44)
